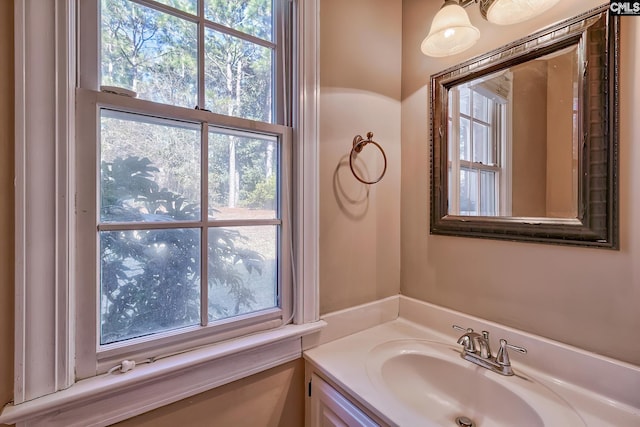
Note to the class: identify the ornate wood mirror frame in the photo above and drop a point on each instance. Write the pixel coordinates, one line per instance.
(596, 34)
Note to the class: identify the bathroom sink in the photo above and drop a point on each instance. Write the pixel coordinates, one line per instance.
(432, 382)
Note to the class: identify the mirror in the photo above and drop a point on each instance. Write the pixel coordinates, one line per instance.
(525, 138)
(535, 104)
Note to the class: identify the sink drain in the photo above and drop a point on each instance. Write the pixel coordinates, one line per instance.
(465, 422)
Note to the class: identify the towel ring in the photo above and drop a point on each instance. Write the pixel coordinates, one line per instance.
(358, 144)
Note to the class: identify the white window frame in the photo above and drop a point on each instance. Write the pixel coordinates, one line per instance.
(45, 387)
(500, 132)
(89, 101)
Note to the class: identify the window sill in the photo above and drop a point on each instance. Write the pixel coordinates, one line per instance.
(110, 398)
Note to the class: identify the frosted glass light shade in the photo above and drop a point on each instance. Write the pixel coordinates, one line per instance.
(507, 12)
(451, 32)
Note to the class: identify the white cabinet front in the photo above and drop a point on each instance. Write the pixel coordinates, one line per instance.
(331, 409)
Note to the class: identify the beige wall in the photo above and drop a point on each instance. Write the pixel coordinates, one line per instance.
(274, 398)
(6, 195)
(529, 148)
(562, 200)
(584, 297)
(360, 78)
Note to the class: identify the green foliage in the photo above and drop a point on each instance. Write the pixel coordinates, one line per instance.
(150, 52)
(238, 76)
(155, 54)
(174, 151)
(263, 196)
(249, 16)
(150, 279)
(253, 164)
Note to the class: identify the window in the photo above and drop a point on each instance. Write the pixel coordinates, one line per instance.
(69, 136)
(191, 225)
(478, 175)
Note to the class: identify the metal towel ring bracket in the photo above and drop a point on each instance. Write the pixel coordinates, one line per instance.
(358, 144)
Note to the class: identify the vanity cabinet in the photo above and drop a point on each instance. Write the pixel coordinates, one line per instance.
(327, 407)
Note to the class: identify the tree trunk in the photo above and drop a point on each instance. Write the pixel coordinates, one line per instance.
(233, 190)
(269, 161)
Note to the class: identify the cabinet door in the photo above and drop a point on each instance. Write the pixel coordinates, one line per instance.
(331, 409)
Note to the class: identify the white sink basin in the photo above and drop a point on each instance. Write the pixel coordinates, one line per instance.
(431, 381)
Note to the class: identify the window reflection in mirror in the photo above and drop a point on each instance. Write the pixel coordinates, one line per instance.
(513, 140)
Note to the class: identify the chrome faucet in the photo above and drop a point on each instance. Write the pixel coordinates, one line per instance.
(476, 349)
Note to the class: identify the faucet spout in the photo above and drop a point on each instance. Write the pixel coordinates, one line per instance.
(483, 345)
(464, 340)
(470, 340)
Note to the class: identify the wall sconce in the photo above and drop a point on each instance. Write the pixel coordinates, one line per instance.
(451, 30)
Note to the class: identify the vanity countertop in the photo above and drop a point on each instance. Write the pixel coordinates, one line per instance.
(343, 361)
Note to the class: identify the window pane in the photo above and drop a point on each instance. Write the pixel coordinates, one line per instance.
(149, 52)
(481, 149)
(149, 282)
(468, 192)
(238, 80)
(149, 169)
(465, 139)
(249, 16)
(252, 164)
(189, 6)
(464, 101)
(488, 193)
(243, 270)
(480, 107)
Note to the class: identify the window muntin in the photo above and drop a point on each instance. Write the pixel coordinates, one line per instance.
(190, 6)
(255, 20)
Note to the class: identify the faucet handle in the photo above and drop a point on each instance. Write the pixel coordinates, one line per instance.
(468, 340)
(502, 357)
(516, 348)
